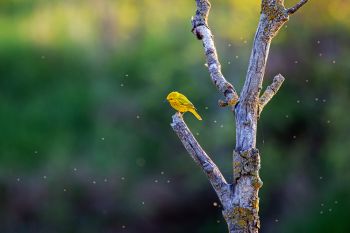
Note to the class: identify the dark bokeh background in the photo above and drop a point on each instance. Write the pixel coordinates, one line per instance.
(85, 141)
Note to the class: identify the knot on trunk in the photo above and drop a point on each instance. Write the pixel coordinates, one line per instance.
(201, 17)
(231, 96)
(247, 163)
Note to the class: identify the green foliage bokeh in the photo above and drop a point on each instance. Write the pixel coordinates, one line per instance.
(85, 142)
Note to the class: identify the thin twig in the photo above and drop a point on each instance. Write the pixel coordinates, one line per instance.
(297, 6)
(270, 91)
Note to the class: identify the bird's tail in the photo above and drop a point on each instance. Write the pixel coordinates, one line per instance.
(193, 111)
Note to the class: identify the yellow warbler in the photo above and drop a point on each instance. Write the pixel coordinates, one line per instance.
(180, 103)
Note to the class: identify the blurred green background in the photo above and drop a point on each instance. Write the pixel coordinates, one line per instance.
(85, 141)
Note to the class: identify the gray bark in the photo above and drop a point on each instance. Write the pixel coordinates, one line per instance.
(240, 199)
(202, 31)
(217, 180)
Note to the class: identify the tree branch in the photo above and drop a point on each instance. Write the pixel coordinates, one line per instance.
(273, 16)
(270, 91)
(213, 173)
(297, 6)
(202, 31)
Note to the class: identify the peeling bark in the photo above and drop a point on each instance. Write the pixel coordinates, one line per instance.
(240, 200)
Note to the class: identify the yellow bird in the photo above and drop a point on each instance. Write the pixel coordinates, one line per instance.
(180, 103)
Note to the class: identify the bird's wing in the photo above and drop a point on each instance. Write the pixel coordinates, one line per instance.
(184, 101)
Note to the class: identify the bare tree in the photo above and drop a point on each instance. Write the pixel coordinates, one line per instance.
(239, 199)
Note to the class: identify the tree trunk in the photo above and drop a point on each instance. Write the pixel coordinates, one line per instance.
(246, 158)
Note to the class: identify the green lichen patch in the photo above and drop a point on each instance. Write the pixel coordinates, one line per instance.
(246, 163)
(243, 216)
(276, 15)
(256, 182)
(274, 10)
